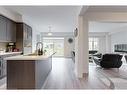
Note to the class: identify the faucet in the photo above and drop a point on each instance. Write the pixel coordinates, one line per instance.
(37, 50)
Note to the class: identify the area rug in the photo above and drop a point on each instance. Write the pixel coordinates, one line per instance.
(112, 79)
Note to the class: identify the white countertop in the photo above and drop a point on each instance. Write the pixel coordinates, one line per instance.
(25, 57)
(8, 53)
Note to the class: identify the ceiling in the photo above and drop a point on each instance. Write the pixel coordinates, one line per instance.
(107, 8)
(106, 26)
(63, 18)
(59, 18)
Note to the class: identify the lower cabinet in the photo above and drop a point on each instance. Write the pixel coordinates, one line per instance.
(4, 68)
(28, 74)
(3, 65)
(0, 68)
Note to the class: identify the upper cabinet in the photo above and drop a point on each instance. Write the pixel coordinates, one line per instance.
(7, 30)
(3, 28)
(20, 33)
(11, 31)
(24, 38)
(27, 36)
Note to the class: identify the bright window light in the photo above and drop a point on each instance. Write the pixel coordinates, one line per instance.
(49, 34)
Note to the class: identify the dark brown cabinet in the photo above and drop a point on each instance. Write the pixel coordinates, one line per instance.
(24, 38)
(7, 30)
(28, 74)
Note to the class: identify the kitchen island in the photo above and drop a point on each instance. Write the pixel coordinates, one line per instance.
(27, 72)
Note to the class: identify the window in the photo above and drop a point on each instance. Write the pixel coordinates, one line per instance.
(93, 43)
(53, 44)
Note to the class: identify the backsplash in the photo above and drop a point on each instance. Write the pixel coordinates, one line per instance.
(3, 45)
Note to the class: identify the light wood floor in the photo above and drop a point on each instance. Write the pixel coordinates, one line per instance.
(62, 76)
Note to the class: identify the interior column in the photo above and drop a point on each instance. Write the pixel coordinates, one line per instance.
(81, 48)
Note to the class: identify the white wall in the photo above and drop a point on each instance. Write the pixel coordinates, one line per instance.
(102, 44)
(108, 43)
(102, 40)
(68, 47)
(118, 38)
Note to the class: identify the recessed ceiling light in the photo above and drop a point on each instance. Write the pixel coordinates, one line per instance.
(49, 34)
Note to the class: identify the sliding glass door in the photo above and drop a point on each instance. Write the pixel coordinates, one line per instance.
(52, 45)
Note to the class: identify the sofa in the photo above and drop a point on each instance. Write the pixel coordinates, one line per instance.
(109, 61)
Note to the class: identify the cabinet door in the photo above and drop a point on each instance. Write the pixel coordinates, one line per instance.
(3, 29)
(29, 34)
(13, 37)
(4, 64)
(25, 32)
(11, 31)
(27, 39)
